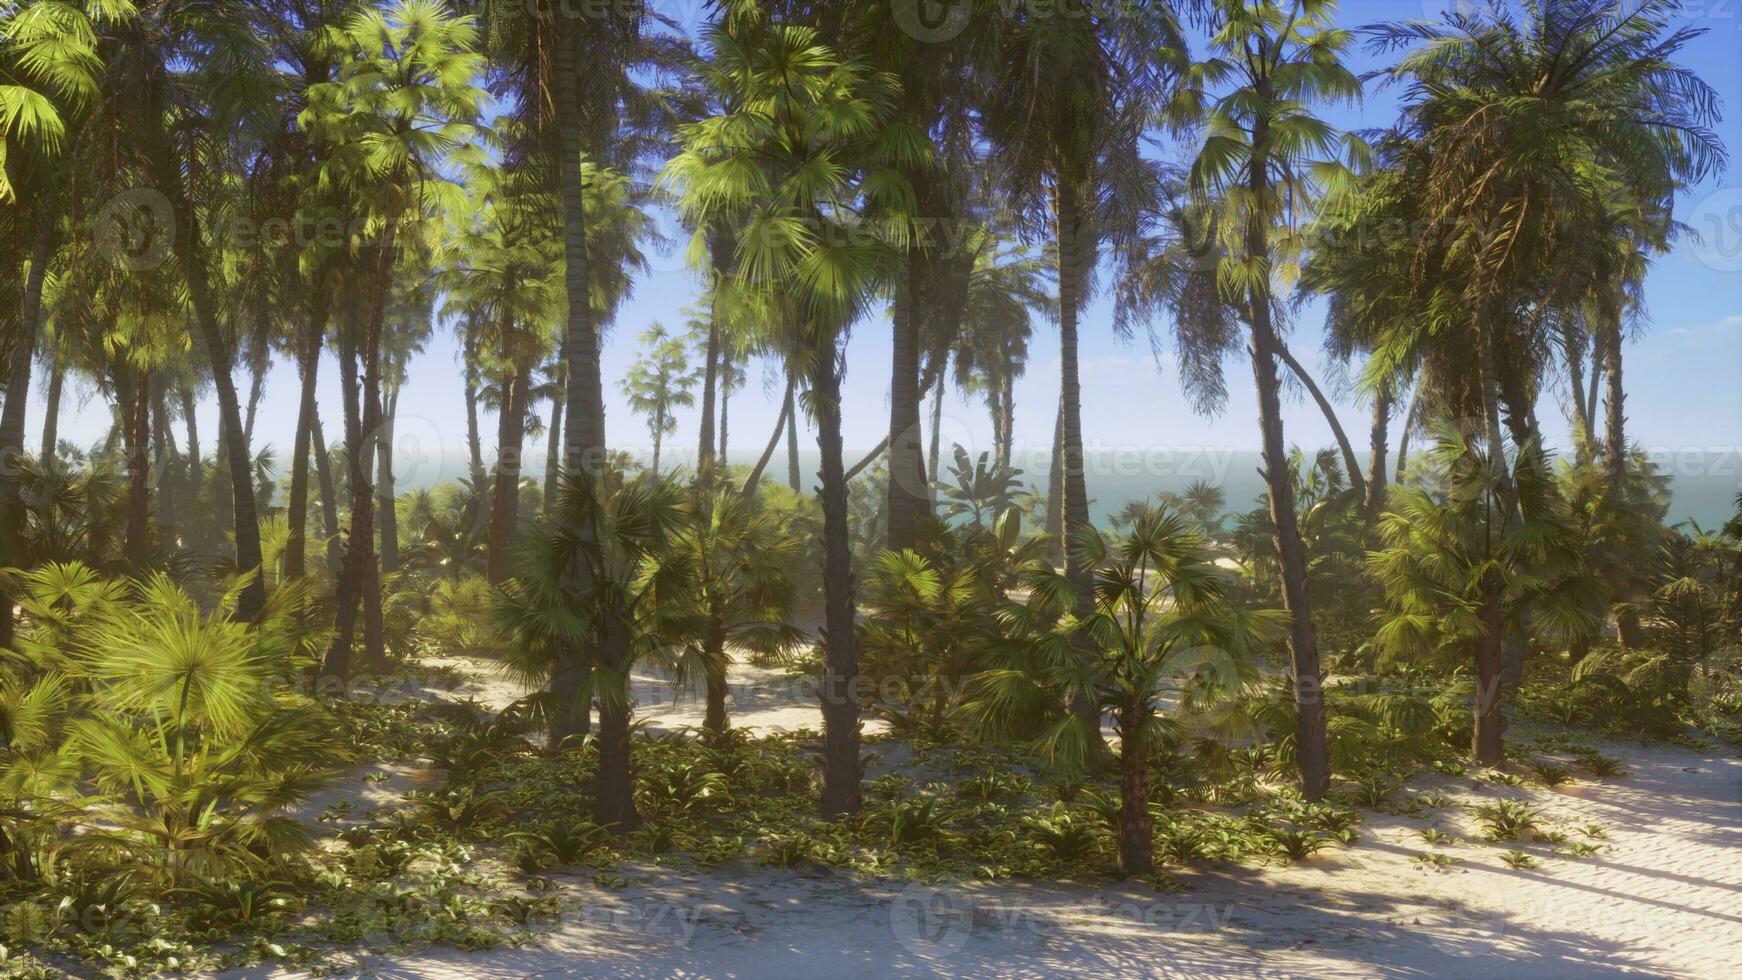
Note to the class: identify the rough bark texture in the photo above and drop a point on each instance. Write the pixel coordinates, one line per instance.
(1311, 752)
(296, 544)
(1376, 446)
(1404, 426)
(329, 495)
(553, 453)
(505, 496)
(1490, 723)
(584, 422)
(1136, 825)
(905, 490)
(1075, 250)
(714, 720)
(841, 794)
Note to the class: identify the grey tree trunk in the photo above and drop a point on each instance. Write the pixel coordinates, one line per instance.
(904, 494)
(1356, 482)
(296, 544)
(12, 416)
(1376, 447)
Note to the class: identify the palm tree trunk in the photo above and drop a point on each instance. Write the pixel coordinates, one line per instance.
(12, 415)
(903, 496)
(329, 494)
(295, 545)
(256, 388)
(374, 626)
(553, 453)
(1376, 443)
(1055, 488)
(1576, 386)
(1007, 416)
(190, 419)
(1311, 752)
(1490, 718)
(1075, 247)
(841, 794)
(658, 438)
(505, 499)
(51, 413)
(133, 388)
(1615, 465)
(1136, 826)
(348, 595)
(937, 428)
(190, 250)
(386, 493)
(473, 442)
(715, 720)
(793, 479)
(1405, 425)
(780, 425)
(584, 424)
(725, 405)
(165, 451)
(710, 391)
(1356, 482)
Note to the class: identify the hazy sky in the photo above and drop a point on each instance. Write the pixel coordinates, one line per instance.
(1682, 377)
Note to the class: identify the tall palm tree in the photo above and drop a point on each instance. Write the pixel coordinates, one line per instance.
(405, 99)
(1263, 155)
(1064, 100)
(810, 140)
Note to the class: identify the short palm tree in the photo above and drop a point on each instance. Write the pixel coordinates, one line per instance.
(658, 382)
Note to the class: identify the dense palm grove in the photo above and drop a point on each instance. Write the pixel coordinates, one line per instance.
(198, 638)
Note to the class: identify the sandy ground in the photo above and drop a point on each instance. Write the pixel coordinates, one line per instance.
(1664, 897)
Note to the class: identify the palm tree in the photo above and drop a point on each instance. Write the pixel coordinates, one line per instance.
(1263, 155)
(405, 99)
(739, 560)
(808, 141)
(1064, 100)
(49, 67)
(659, 382)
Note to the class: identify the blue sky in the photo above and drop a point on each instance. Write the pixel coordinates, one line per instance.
(1682, 376)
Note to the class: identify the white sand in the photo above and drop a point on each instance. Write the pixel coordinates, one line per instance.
(1664, 897)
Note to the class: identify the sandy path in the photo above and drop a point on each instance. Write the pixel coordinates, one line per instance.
(1664, 897)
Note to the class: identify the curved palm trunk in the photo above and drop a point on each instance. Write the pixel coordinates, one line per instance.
(12, 416)
(296, 544)
(841, 773)
(256, 388)
(1311, 752)
(190, 419)
(1356, 482)
(505, 497)
(780, 425)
